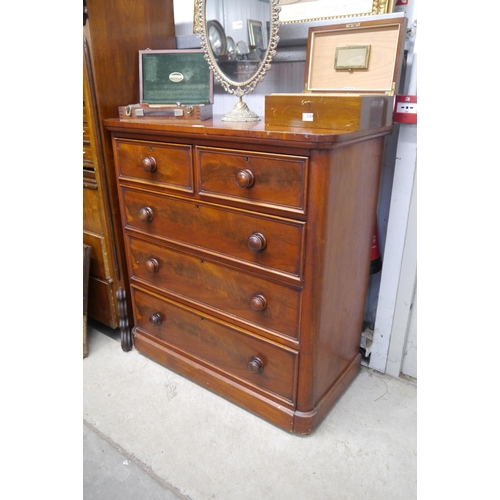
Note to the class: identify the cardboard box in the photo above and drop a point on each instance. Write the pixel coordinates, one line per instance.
(352, 73)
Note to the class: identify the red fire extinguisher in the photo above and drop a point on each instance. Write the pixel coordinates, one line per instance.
(376, 262)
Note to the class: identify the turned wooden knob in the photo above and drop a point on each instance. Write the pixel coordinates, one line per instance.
(146, 214)
(155, 319)
(245, 178)
(256, 242)
(255, 365)
(258, 303)
(152, 265)
(149, 164)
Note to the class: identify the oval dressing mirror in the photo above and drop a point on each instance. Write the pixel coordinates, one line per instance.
(239, 38)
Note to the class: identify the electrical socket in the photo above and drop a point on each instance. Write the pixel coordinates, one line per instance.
(406, 107)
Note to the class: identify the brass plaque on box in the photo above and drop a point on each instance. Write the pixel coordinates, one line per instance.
(352, 57)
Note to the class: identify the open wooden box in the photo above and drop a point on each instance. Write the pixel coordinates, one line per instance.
(352, 73)
(173, 84)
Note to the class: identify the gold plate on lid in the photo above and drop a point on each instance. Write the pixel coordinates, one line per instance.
(352, 57)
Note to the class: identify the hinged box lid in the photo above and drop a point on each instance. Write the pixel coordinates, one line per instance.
(362, 57)
(175, 77)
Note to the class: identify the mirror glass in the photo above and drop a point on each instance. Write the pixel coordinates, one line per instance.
(239, 38)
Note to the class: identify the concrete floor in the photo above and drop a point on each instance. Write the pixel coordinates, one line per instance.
(150, 434)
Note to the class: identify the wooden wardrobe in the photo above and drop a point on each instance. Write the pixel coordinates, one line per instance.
(113, 33)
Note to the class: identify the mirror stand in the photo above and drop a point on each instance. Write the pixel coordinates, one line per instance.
(213, 41)
(241, 113)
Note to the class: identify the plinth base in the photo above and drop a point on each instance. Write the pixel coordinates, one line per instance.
(241, 113)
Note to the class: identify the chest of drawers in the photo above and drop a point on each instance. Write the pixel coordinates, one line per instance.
(248, 252)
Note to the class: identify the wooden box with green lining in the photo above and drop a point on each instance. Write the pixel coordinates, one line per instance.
(173, 85)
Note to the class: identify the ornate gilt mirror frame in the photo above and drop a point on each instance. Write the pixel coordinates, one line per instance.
(298, 11)
(240, 112)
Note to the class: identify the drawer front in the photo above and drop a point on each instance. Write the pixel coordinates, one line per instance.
(165, 165)
(234, 293)
(99, 258)
(229, 350)
(277, 181)
(267, 242)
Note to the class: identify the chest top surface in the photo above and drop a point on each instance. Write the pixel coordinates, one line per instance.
(257, 132)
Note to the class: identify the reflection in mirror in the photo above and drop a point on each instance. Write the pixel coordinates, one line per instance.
(239, 38)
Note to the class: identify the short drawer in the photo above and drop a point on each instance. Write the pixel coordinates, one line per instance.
(233, 293)
(264, 179)
(268, 242)
(165, 165)
(258, 362)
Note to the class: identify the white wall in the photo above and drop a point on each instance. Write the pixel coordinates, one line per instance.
(183, 14)
(409, 366)
(398, 277)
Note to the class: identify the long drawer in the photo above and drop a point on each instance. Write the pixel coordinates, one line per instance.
(268, 242)
(258, 362)
(263, 179)
(166, 165)
(236, 294)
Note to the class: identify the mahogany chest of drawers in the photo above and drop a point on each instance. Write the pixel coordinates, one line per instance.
(248, 253)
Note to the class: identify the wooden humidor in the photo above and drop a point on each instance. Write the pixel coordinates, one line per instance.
(352, 73)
